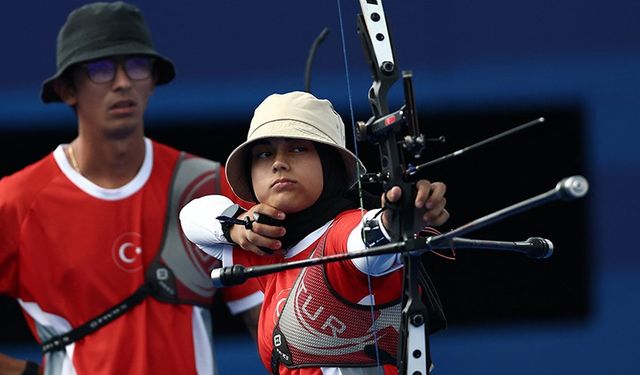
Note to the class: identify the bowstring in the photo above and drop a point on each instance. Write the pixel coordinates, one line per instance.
(359, 182)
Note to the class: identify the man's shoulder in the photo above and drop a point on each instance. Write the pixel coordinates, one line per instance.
(36, 173)
(27, 182)
(161, 149)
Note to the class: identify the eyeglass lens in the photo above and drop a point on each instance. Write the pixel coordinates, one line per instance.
(136, 67)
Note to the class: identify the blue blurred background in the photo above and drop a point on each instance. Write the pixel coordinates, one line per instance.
(494, 61)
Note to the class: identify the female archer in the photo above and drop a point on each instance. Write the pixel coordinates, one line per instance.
(333, 319)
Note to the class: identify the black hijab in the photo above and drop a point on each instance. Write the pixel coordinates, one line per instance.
(336, 196)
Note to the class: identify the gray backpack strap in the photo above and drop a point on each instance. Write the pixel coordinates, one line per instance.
(181, 272)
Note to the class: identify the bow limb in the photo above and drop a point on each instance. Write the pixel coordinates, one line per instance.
(376, 40)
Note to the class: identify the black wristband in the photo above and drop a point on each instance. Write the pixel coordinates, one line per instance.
(32, 368)
(233, 212)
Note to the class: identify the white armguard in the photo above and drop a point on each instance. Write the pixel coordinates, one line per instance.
(199, 223)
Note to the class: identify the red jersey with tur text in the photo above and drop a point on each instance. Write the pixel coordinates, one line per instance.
(347, 281)
(70, 249)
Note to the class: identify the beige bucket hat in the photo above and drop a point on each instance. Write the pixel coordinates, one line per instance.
(297, 115)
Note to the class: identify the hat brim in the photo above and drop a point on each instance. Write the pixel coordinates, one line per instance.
(236, 167)
(165, 70)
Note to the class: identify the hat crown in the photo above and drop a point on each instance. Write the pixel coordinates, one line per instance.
(95, 26)
(302, 112)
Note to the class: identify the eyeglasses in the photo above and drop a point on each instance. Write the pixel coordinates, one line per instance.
(136, 67)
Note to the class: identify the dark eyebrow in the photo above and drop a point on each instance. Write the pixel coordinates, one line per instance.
(259, 143)
(267, 141)
(263, 141)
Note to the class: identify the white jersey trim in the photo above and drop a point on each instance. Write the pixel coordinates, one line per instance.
(244, 304)
(225, 252)
(202, 344)
(56, 323)
(307, 241)
(350, 370)
(98, 192)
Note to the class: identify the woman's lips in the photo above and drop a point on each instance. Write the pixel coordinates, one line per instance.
(282, 183)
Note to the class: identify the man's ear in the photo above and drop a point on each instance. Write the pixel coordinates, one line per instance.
(65, 90)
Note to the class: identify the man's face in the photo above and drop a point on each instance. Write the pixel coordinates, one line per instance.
(286, 173)
(111, 95)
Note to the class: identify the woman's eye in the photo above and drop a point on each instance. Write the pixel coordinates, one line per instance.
(263, 155)
(299, 149)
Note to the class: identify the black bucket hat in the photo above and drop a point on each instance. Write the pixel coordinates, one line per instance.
(100, 30)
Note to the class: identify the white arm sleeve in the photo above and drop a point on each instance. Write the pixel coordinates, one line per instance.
(375, 265)
(199, 223)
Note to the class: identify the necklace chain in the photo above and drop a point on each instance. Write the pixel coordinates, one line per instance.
(72, 158)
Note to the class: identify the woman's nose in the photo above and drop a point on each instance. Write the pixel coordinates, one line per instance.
(280, 162)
